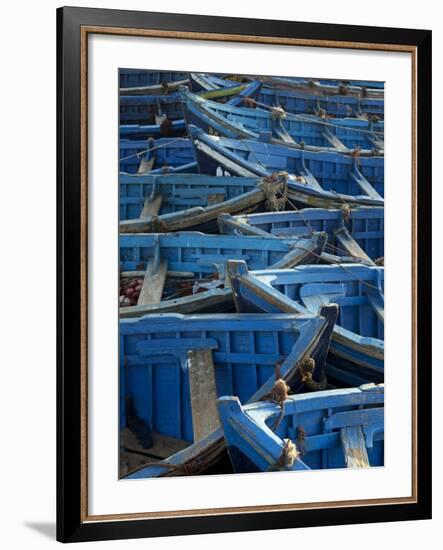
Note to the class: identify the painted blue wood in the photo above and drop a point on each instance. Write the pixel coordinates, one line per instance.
(204, 82)
(324, 88)
(359, 332)
(366, 225)
(313, 336)
(311, 421)
(145, 131)
(153, 360)
(142, 109)
(142, 77)
(203, 254)
(304, 130)
(178, 191)
(169, 154)
(323, 179)
(295, 101)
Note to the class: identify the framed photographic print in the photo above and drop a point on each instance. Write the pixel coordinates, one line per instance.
(236, 200)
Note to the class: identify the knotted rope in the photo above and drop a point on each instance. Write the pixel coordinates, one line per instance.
(249, 102)
(278, 113)
(355, 153)
(345, 212)
(380, 261)
(307, 367)
(301, 437)
(288, 455)
(279, 392)
(268, 184)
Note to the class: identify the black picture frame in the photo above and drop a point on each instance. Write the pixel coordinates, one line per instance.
(71, 523)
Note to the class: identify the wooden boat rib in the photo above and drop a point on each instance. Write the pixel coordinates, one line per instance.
(185, 272)
(357, 289)
(324, 180)
(158, 377)
(326, 429)
(356, 235)
(300, 131)
(188, 201)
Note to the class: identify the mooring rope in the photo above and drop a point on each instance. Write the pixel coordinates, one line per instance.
(288, 455)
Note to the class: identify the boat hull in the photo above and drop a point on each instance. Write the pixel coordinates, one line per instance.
(364, 225)
(197, 262)
(358, 335)
(325, 180)
(165, 154)
(245, 351)
(321, 426)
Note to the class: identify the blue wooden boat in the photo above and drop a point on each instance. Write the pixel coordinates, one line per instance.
(185, 272)
(180, 202)
(160, 156)
(328, 429)
(174, 128)
(143, 116)
(161, 394)
(356, 236)
(206, 82)
(134, 78)
(324, 180)
(150, 109)
(301, 131)
(357, 289)
(315, 103)
(368, 84)
(324, 87)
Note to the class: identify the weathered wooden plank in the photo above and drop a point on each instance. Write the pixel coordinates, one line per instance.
(203, 393)
(364, 184)
(146, 165)
(153, 283)
(152, 206)
(334, 141)
(283, 135)
(351, 246)
(377, 302)
(215, 198)
(354, 447)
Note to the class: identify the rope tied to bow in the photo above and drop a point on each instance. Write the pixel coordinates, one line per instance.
(307, 367)
(269, 186)
(289, 455)
(279, 392)
(380, 261)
